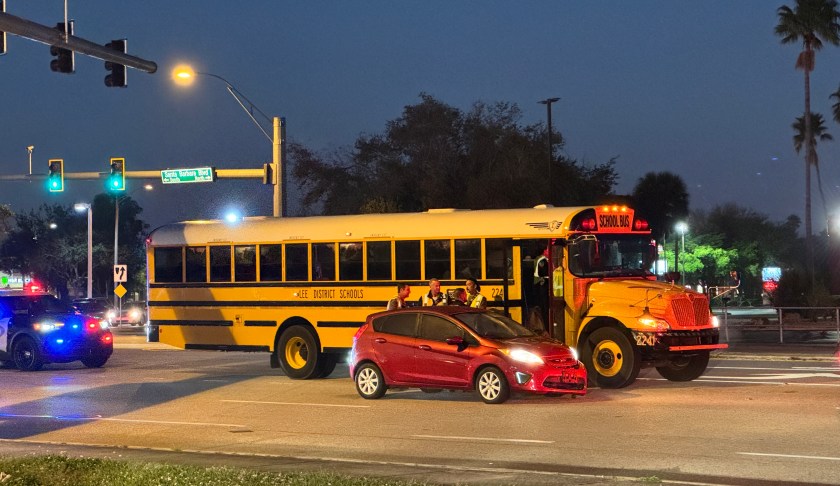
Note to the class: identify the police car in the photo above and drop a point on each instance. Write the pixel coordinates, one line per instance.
(37, 328)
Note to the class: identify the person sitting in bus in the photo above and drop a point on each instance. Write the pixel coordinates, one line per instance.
(434, 296)
(474, 298)
(398, 301)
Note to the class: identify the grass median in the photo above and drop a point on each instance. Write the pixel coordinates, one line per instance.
(65, 471)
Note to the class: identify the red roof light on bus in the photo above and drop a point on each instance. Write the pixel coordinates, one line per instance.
(640, 225)
(588, 224)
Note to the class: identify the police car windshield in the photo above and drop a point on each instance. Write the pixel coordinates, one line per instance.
(612, 256)
(38, 304)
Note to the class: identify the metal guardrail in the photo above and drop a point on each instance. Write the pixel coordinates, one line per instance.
(822, 319)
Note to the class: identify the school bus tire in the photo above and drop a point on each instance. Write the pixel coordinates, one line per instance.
(298, 353)
(327, 363)
(685, 368)
(611, 359)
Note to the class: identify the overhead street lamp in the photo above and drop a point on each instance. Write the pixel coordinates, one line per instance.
(184, 75)
(547, 102)
(82, 207)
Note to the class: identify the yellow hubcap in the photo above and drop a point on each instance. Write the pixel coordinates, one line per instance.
(607, 358)
(296, 353)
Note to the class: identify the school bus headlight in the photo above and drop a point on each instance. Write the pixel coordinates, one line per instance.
(653, 323)
(715, 321)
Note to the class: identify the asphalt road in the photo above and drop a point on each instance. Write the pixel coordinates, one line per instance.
(757, 419)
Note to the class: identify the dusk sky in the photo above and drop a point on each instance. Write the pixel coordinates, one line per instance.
(701, 89)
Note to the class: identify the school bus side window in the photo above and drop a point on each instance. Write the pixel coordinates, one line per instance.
(271, 263)
(297, 262)
(438, 259)
(323, 261)
(408, 260)
(379, 260)
(245, 263)
(196, 264)
(494, 258)
(168, 265)
(468, 258)
(350, 261)
(220, 263)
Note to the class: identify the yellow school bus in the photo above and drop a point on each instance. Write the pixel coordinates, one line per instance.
(299, 288)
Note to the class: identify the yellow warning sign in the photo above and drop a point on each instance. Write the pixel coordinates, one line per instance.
(120, 291)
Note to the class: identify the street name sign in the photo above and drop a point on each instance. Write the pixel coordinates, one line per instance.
(182, 176)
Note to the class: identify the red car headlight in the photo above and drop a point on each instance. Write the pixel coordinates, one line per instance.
(523, 356)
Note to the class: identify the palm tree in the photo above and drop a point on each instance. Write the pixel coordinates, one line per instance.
(810, 22)
(835, 108)
(818, 131)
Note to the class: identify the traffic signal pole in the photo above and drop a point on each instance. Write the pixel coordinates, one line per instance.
(50, 36)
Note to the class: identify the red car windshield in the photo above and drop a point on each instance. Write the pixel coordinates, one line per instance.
(493, 326)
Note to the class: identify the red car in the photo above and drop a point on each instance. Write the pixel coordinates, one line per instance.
(459, 348)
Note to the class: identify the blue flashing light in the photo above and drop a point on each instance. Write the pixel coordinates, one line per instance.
(59, 341)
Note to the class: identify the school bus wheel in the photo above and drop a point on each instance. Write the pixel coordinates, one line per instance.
(298, 354)
(611, 360)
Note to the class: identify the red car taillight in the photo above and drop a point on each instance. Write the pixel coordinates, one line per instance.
(361, 331)
(107, 338)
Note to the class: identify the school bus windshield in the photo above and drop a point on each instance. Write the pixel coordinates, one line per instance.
(611, 256)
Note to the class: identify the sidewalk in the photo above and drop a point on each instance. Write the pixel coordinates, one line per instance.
(790, 352)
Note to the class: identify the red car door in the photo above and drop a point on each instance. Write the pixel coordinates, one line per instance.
(394, 342)
(439, 363)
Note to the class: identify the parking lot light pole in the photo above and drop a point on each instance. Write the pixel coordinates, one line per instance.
(681, 228)
(81, 207)
(117, 201)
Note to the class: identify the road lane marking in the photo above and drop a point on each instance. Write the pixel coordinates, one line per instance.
(112, 419)
(742, 381)
(298, 404)
(791, 456)
(484, 439)
(794, 368)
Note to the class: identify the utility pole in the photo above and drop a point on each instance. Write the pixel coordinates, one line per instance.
(547, 102)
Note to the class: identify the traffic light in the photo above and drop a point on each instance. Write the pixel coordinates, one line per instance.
(116, 181)
(117, 77)
(64, 61)
(55, 177)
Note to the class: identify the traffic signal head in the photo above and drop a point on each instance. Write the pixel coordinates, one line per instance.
(116, 180)
(117, 76)
(55, 176)
(64, 61)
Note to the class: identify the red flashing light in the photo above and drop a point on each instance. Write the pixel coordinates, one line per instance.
(640, 225)
(588, 224)
(32, 286)
(92, 325)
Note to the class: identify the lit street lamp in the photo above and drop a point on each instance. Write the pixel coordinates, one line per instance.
(82, 207)
(547, 102)
(30, 149)
(681, 228)
(184, 75)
